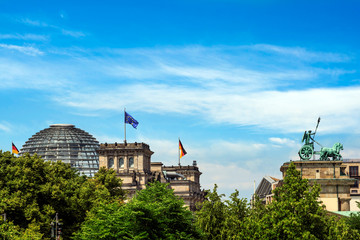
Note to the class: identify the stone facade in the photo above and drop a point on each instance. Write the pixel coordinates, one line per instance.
(132, 163)
(350, 168)
(335, 184)
(187, 184)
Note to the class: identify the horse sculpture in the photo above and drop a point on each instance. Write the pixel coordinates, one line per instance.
(334, 152)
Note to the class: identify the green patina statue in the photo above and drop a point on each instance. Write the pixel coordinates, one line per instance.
(307, 150)
(334, 152)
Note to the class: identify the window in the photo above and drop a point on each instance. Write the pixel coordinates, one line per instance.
(356, 184)
(121, 163)
(354, 171)
(131, 162)
(342, 171)
(111, 163)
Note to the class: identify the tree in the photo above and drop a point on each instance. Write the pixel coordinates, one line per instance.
(219, 219)
(154, 213)
(211, 217)
(236, 211)
(354, 219)
(295, 213)
(9, 231)
(32, 191)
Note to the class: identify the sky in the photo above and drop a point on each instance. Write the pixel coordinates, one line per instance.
(237, 81)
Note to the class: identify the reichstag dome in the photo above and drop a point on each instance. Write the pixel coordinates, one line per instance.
(67, 143)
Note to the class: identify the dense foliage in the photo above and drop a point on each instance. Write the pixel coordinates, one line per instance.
(154, 213)
(219, 219)
(32, 191)
(294, 213)
(354, 219)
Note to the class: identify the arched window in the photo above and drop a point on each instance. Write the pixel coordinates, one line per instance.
(131, 162)
(121, 163)
(111, 163)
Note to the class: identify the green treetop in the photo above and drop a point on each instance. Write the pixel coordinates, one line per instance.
(219, 219)
(32, 191)
(295, 213)
(154, 213)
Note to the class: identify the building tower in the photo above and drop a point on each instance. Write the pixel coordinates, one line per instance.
(131, 162)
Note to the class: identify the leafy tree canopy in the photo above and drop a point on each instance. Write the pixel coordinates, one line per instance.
(354, 219)
(295, 213)
(219, 219)
(32, 191)
(154, 213)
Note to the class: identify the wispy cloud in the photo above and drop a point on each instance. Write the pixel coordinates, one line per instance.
(33, 74)
(32, 22)
(64, 31)
(32, 51)
(225, 89)
(282, 141)
(302, 53)
(4, 127)
(284, 111)
(229, 177)
(28, 36)
(76, 34)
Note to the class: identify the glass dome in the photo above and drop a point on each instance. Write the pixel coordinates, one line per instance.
(67, 143)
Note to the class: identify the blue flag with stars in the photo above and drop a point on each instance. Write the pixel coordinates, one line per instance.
(130, 120)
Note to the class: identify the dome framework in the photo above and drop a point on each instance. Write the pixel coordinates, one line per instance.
(67, 143)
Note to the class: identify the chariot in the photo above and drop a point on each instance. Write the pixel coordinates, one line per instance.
(307, 150)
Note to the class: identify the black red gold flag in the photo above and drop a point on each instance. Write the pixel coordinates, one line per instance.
(182, 150)
(14, 149)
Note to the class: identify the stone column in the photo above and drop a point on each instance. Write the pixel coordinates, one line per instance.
(126, 164)
(345, 203)
(116, 163)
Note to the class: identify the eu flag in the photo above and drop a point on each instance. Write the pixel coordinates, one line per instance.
(130, 120)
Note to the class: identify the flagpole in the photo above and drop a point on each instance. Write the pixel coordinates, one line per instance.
(179, 151)
(124, 127)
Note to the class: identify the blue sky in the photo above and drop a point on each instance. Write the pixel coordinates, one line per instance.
(237, 81)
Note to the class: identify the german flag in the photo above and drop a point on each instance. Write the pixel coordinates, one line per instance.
(14, 149)
(182, 150)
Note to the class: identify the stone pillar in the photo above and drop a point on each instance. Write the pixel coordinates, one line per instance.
(116, 163)
(345, 203)
(126, 163)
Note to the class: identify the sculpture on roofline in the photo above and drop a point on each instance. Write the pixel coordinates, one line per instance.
(307, 150)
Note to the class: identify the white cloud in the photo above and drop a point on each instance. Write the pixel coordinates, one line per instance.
(228, 177)
(31, 22)
(165, 151)
(75, 34)
(37, 23)
(282, 141)
(28, 50)
(289, 111)
(232, 65)
(32, 75)
(27, 36)
(302, 53)
(4, 127)
(208, 83)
